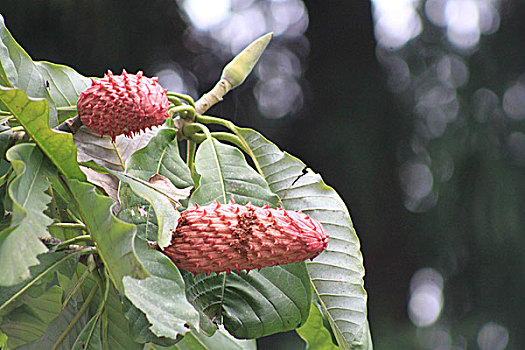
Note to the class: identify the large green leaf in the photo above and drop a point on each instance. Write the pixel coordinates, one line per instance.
(114, 238)
(31, 319)
(314, 332)
(253, 304)
(160, 156)
(64, 85)
(337, 274)
(115, 331)
(40, 275)
(226, 176)
(18, 70)
(33, 115)
(162, 296)
(57, 327)
(220, 340)
(20, 243)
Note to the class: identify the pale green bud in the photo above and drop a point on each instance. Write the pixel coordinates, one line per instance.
(241, 66)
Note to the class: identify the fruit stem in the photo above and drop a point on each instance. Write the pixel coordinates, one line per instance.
(187, 98)
(119, 156)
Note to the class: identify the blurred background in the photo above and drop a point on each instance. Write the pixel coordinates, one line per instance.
(413, 110)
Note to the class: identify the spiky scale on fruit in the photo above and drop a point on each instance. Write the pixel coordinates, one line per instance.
(226, 237)
(123, 104)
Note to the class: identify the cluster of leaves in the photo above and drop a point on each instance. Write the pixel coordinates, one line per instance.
(76, 269)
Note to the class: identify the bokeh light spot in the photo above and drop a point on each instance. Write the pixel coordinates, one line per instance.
(492, 336)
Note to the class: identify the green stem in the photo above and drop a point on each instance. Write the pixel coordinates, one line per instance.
(69, 225)
(119, 156)
(190, 129)
(4, 177)
(77, 317)
(228, 124)
(190, 158)
(67, 108)
(100, 308)
(174, 100)
(42, 274)
(74, 240)
(229, 137)
(184, 111)
(187, 98)
(13, 129)
(91, 266)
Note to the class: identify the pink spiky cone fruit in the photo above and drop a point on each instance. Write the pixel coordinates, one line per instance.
(123, 104)
(226, 237)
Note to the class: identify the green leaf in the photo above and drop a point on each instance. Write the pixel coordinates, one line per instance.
(57, 327)
(114, 238)
(139, 326)
(65, 86)
(30, 320)
(89, 337)
(166, 215)
(314, 333)
(20, 243)
(115, 331)
(253, 304)
(220, 340)
(18, 70)
(10, 296)
(162, 296)
(336, 274)
(33, 115)
(160, 156)
(225, 176)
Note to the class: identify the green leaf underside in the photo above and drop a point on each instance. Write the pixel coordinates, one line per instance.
(337, 274)
(18, 70)
(226, 176)
(20, 243)
(160, 156)
(30, 320)
(33, 115)
(162, 296)
(114, 238)
(253, 304)
(220, 340)
(314, 332)
(166, 215)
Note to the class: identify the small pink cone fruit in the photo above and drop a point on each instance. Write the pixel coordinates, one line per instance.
(226, 237)
(123, 104)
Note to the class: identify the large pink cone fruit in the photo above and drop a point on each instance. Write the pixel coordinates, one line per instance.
(123, 104)
(226, 237)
